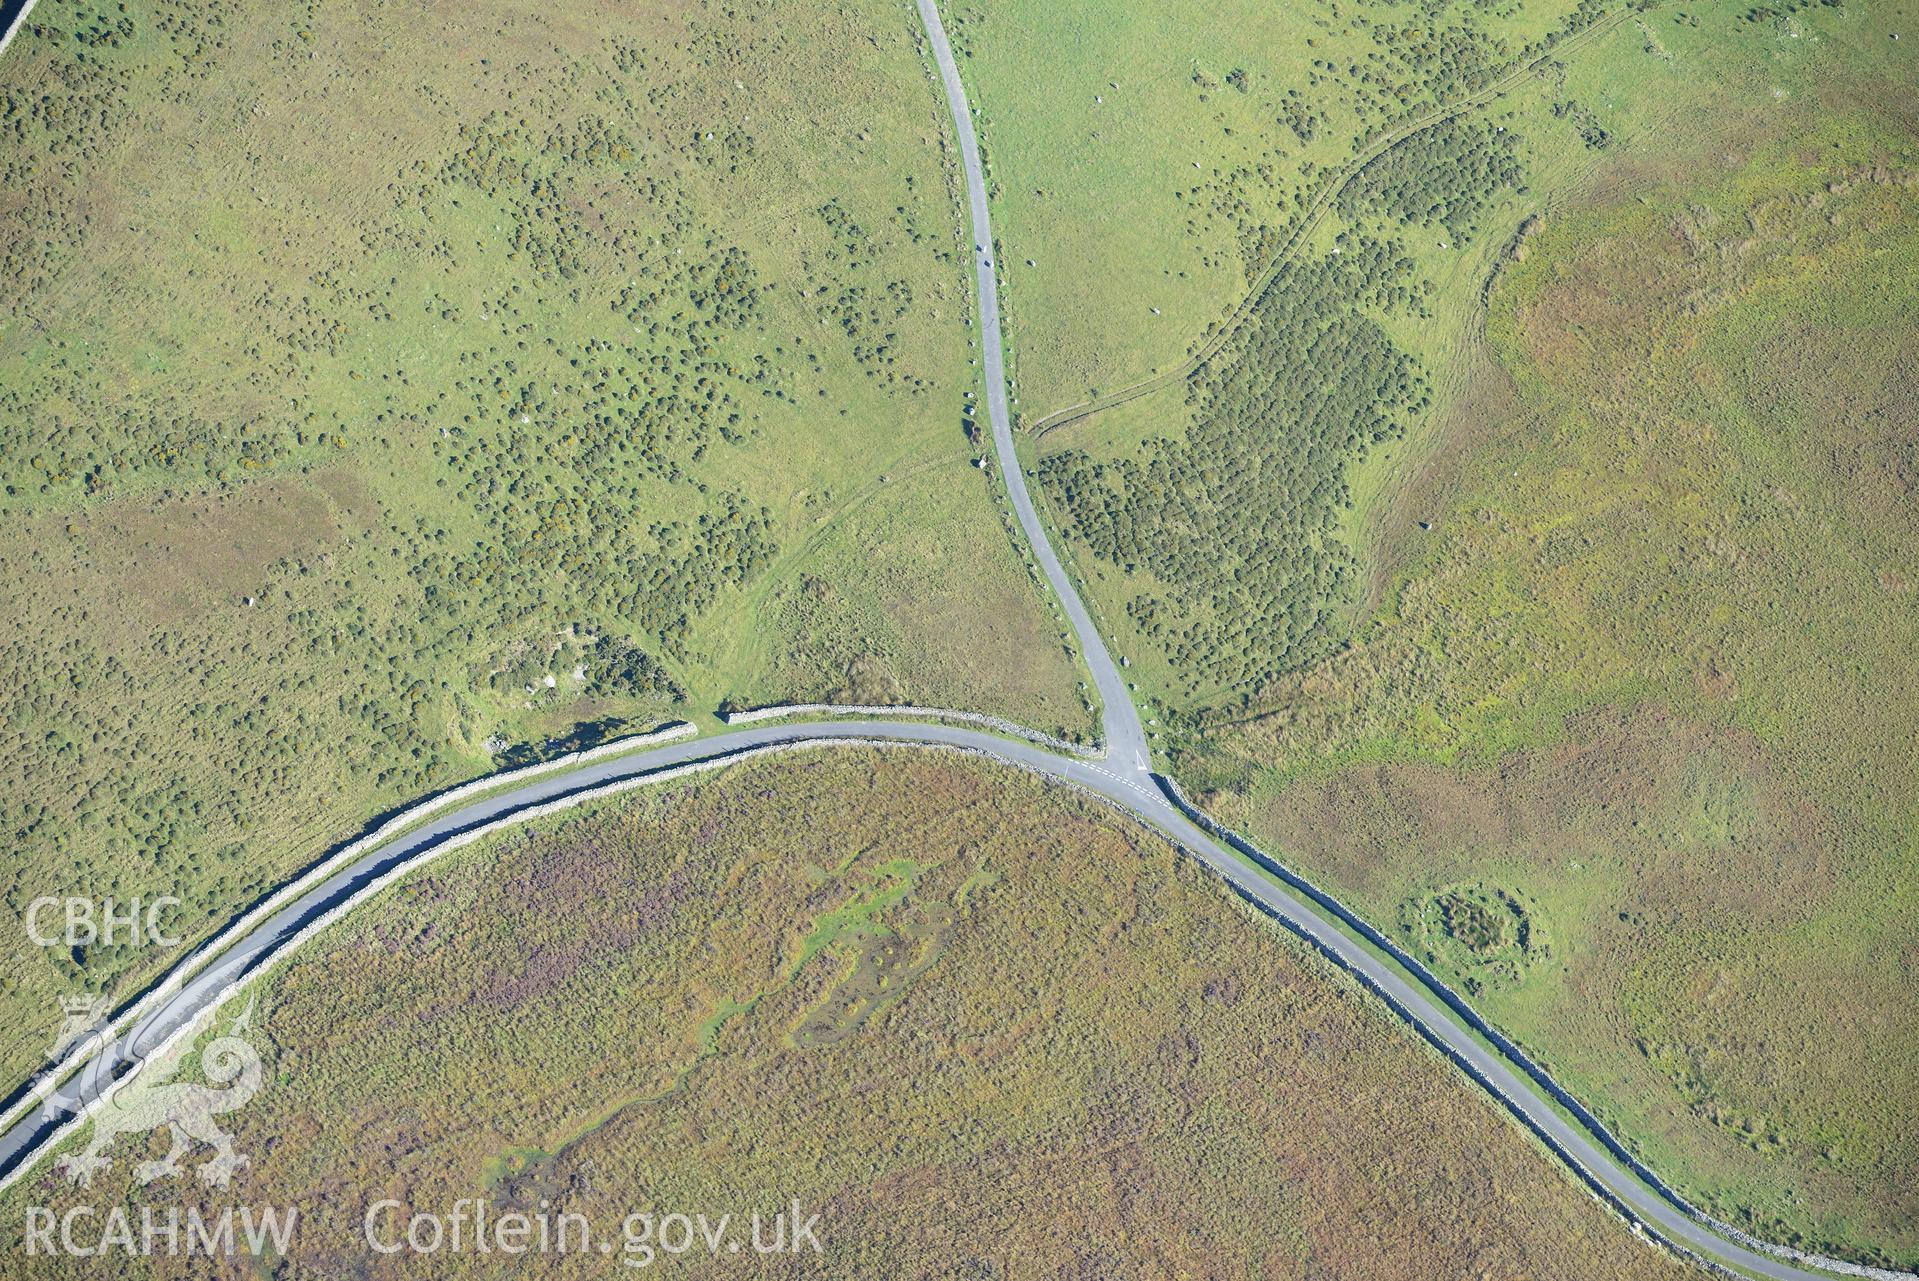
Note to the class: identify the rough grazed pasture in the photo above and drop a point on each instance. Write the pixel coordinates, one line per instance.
(984, 1027)
(386, 395)
(1719, 527)
(1146, 157)
(1631, 661)
(1534, 565)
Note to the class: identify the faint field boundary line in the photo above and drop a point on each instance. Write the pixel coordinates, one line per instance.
(1316, 212)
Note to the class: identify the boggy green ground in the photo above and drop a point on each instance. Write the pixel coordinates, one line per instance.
(981, 1026)
(389, 395)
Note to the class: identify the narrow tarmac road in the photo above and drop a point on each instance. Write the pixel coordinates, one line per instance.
(1124, 736)
(1123, 777)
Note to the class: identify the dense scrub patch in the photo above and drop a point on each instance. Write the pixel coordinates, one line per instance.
(1233, 526)
(1444, 175)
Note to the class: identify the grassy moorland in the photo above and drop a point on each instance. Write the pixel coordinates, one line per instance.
(1145, 158)
(982, 1026)
(386, 394)
(1653, 672)
(1537, 570)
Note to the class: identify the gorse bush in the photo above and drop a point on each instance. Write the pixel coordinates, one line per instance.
(1445, 175)
(1234, 526)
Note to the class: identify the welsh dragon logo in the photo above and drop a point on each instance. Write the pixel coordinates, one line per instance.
(150, 1098)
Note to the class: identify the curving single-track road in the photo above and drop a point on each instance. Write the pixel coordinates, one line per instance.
(1141, 794)
(1122, 776)
(1119, 720)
